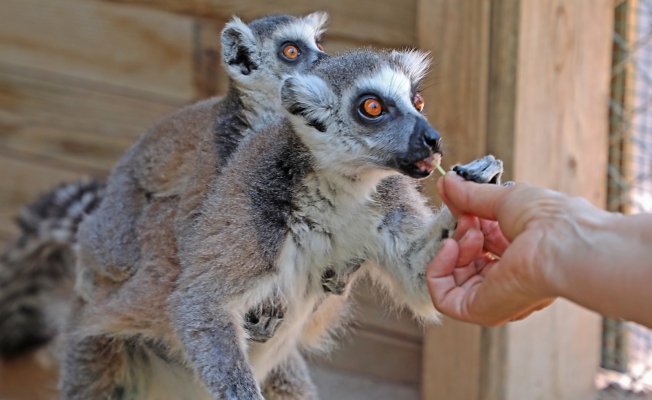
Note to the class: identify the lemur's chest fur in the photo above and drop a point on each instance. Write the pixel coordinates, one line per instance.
(333, 227)
(320, 228)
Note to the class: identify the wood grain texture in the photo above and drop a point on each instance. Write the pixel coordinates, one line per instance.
(377, 354)
(210, 76)
(130, 48)
(503, 69)
(501, 123)
(389, 23)
(563, 92)
(374, 313)
(457, 35)
(560, 143)
(21, 182)
(554, 354)
(546, 114)
(451, 368)
(18, 378)
(493, 367)
(622, 148)
(85, 128)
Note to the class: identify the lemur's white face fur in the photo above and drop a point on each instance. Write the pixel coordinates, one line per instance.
(257, 55)
(363, 110)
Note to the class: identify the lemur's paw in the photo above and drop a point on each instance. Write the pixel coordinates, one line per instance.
(483, 170)
(509, 183)
(331, 283)
(261, 323)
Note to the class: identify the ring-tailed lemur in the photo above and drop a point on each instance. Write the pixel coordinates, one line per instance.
(330, 187)
(37, 270)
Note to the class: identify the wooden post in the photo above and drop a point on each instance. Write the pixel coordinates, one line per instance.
(457, 35)
(540, 73)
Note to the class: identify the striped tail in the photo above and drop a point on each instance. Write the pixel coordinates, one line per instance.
(37, 270)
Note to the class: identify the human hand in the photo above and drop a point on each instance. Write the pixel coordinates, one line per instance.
(463, 264)
(466, 283)
(549, 245)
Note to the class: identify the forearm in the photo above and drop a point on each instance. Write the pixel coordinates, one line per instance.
(613, 268)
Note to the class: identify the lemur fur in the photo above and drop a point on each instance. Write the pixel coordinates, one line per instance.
(37, 270)
(326, 187)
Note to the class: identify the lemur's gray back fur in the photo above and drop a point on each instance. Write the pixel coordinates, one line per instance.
(39, 266)
(326, 189)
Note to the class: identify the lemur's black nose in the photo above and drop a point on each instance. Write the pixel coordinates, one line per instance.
(433, 139)
(430, 136)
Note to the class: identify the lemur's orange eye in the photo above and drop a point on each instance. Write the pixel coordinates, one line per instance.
(291, 51)
(320, 46)
(371, 108)
(418, 102)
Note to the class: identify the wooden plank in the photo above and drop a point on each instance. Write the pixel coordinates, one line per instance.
(17, 378)
(131, 48)
(85, 128)
(554, 354)
(563, 92)
(457, 35)
(210, 76)
(334, 46)
(373, 314)
(549, 85)
(388, 23)
(22, 182)
(370, 353)
(630, 150)
(560, 142)
(493, 368)
(451, 370)
(503, 68)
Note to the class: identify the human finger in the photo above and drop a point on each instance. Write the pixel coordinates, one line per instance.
(464, 273)
(494, 239)
(470, 246)
(440, 189)
(439, 273)
(464, 223)
(506, 292)
(470, 197)
(446, 295)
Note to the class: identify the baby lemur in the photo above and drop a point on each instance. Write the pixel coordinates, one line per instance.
(36, 272)
(326, 189)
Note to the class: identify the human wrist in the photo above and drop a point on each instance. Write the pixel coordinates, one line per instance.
(605, 260)
(581, 246)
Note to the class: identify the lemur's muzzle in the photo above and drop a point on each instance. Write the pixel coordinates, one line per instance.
(424, 149)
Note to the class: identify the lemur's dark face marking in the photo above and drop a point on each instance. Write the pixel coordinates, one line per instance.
(379, 113)
(365, 111)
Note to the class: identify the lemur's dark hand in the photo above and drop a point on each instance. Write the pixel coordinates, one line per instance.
(483, 170)
(262, 322)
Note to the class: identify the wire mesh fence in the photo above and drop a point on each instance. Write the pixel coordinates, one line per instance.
(627, 347)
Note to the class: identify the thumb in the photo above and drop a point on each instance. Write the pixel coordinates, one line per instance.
(469, 197)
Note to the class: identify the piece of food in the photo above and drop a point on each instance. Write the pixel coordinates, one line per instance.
(436, 162)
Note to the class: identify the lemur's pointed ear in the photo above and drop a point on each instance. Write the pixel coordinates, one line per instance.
(318, 20)
(415, 63)
(240, 50)
(310, 97)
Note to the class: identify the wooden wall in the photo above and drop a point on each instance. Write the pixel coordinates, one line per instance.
(535, 89)
(81, 79)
